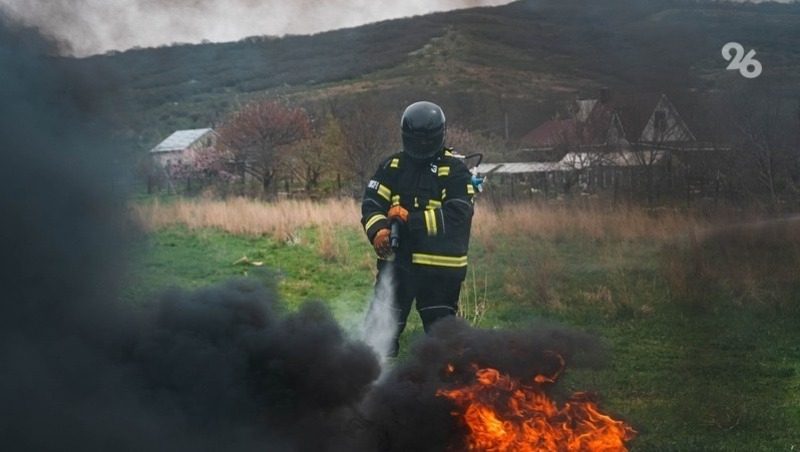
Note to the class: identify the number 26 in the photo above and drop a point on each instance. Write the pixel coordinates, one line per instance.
(745, 64)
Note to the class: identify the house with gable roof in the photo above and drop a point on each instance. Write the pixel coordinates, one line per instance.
(179, 148)
(602, 143)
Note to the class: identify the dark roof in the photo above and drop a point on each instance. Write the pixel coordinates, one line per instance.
(593, 130)
(549, 134)
(633, 110)
(535, 155)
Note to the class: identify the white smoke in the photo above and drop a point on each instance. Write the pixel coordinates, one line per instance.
(96, 26)
(381, 322)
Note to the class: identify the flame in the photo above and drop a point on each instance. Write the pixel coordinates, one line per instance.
(504, 414)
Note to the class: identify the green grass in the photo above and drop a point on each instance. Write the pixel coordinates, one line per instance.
(178, 257)
(721, 374)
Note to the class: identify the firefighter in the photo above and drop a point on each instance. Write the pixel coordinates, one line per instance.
(427, 192)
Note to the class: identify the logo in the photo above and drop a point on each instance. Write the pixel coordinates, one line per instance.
(434, 168)
(373, 184)
(748, 66)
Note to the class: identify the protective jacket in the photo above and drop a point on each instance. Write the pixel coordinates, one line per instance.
(439, 198)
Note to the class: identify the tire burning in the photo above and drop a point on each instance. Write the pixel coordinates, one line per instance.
(502, 413)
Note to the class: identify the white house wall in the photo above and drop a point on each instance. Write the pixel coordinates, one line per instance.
(676, 129)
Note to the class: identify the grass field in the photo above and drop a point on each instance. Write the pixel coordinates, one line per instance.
(701, 320)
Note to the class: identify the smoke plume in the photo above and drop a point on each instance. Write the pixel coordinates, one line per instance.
(95, 26)
(222, 368)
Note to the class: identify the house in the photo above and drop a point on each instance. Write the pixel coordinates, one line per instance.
(603, 143)
(592, 125)
(180, 147)
(606, 124)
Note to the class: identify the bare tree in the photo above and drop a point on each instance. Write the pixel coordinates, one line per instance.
(308, 162)
(467, 142)
(463, 140)
(317, 155)
(763, 130)
(260, 132)
(368, 135)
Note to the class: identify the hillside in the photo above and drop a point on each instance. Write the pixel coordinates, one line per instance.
(522, 59)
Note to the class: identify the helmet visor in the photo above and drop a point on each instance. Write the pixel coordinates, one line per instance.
(423, 145)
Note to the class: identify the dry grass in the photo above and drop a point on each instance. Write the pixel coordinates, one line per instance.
(751, 261)
(473, 301)
(557, 222)
(755, 262)
(245, 216)
(282, 219)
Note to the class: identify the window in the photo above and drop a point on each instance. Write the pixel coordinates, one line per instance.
(660, 121)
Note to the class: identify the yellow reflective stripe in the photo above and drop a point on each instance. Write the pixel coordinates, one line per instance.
(434, 204)
(470, 189)
(430, 222)
(439, 261)
(443, 171)
(395, 163)
(448, 153)
(396, 200)
(416, 203)
(427, 222)
(374, 219)
(444, 193)
(385, 192)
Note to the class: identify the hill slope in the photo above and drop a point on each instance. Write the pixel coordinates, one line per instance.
(519, 59)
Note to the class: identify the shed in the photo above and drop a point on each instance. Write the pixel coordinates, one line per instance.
(179, 147)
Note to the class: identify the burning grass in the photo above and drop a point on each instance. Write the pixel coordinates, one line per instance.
(505, 414)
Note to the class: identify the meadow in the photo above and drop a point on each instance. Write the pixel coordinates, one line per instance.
(699, 313)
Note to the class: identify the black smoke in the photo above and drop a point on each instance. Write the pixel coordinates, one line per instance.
(222, 368)
(406, 414)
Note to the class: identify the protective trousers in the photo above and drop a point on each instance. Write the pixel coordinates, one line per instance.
(436, 294)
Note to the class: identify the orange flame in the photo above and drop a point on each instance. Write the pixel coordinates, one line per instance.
(503, 414)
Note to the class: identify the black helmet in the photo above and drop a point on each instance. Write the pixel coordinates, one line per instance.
(423, 127)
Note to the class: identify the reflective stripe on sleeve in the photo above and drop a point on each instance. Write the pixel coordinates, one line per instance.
(433, 204)
(438, 260)
(443, 171)
(470, 189)
(385, 192)
(395, 163)
(374, 219)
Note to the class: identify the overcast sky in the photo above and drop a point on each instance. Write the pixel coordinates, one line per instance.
(95, 26)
